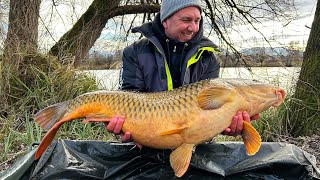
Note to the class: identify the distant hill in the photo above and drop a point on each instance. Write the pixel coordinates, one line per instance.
(276, 51)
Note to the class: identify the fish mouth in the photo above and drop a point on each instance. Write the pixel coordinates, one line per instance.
(281, 94)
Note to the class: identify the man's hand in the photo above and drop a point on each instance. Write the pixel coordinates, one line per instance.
(236, 126)
(115, 126)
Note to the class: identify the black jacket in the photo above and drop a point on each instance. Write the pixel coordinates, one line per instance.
(150, 64)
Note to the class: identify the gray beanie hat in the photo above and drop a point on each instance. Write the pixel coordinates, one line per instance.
(169, 7)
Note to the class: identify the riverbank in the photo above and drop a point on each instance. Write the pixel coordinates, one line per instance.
(310, 144)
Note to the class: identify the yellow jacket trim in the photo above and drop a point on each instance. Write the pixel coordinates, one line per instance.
(197, 56)
(191, 61)
(169, 78)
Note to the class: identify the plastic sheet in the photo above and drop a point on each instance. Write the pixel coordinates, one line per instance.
(66, 159)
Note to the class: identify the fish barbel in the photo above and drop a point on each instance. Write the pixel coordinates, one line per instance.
(178, 119)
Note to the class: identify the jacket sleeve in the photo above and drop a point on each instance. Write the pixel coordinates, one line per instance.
(131, 76)
(213, 68)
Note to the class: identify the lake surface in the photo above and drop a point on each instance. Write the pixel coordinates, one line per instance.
(284, 77)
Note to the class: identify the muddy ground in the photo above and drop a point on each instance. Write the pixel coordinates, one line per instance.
(310, 144)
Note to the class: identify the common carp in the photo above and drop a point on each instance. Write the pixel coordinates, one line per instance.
(178, 119)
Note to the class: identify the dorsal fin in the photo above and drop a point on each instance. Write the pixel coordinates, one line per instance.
(214, 97)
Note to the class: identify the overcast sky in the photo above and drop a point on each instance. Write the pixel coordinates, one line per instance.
(278, 33)
(275, 32)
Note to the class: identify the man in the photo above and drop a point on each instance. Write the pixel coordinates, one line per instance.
(173, 53)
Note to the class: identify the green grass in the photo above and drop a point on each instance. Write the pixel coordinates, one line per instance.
(76, 130)
(31, 88)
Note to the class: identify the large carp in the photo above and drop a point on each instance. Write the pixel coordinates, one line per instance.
(178, 119)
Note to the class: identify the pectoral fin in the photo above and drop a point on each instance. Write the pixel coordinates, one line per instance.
(214, 97)
(251, 138)
(180, 159)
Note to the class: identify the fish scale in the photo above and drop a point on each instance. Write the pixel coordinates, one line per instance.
(137, 106)
(178, 119)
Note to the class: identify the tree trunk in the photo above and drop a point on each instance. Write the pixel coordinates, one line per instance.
(78, 40)
(304, 110)
(22, 37)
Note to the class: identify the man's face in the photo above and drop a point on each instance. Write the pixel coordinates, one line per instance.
(183, 25)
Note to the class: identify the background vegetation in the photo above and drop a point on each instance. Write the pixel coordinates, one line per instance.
(39, 84)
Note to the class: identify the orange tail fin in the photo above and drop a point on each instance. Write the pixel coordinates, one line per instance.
(50, 117)
(47, 139)
(47, 117)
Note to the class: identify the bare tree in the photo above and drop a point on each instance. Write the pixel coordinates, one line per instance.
(22, 36)
(219, 14)
(304, 110)
(81, 37)
(224, 15)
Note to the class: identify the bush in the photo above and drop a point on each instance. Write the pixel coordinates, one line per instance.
(38, 81)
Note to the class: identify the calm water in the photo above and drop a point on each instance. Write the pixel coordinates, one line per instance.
(278, 76)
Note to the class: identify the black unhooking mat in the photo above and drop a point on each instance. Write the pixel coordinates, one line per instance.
(67, 159)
